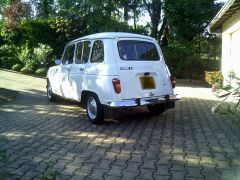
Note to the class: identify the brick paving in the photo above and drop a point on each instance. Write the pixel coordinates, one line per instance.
(184, 143)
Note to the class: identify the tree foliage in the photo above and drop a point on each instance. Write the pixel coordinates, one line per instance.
(13, 14)
(154, 7)
(188, 18)
(180, 23)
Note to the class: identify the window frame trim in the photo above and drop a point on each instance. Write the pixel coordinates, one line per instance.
(74, 53)
(93, 41)
(85, 40)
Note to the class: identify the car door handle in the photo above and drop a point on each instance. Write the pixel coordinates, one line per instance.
(68, 69)
(81, 69)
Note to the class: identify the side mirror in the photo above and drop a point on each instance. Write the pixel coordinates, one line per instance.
(58, 61)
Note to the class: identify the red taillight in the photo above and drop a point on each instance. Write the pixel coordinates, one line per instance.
(173, 81)
(116, 85)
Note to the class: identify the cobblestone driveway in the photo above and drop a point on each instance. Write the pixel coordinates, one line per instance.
(185, 143)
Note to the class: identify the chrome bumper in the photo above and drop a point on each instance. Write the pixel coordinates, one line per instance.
(143, 101)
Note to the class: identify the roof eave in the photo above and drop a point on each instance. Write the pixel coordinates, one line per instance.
(212, 27)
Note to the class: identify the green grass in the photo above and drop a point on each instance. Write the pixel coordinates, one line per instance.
(7, 95)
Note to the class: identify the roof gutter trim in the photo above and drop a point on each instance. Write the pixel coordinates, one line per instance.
(226, 6)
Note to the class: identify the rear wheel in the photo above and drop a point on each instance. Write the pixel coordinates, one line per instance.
(51, 96)
(94, 108)
(156, 109)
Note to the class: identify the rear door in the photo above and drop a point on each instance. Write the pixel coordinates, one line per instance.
(142, 70)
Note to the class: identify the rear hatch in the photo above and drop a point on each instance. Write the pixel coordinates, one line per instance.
(142, 71)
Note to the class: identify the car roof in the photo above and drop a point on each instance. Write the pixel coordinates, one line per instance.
(113, 35)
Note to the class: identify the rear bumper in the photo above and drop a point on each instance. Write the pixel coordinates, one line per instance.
(167, 99)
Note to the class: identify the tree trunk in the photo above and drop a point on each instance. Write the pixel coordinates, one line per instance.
(135, 21)
(160, 32)
(154, 31)
(125, 12)
(109, 8)
(135, 14)
(154, 10)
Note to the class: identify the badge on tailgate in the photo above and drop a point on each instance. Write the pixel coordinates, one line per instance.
(147, 82)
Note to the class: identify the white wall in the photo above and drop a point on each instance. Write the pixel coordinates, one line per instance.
(231, 46)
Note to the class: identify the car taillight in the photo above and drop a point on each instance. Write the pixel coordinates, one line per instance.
(173, 81)
(116, 85)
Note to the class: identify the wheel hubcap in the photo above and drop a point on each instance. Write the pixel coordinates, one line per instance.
(92, 108)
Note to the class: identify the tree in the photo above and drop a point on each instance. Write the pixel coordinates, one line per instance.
(154, 8)
(13, 14)
(188, 19)
(125, 5)
(3, 5)
(136, 6)
(26, 10)
(43, 8)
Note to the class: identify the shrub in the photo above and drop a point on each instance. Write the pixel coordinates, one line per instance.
(185, 62)
(40, 30)
(179, 57)
(8, 56)
(41, 72)
(214, 77)
(17, 67)
(43, 54)
(26, 70)
(25, 56)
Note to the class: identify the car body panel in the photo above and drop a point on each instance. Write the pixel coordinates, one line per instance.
(70, 80)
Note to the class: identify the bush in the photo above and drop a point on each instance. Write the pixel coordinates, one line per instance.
(177, 57)
(184, 62)
(8, 56)
(41, 30)
(41, 72)
(43, 54)
(27, 70)
(17, 67)
(24, 54)
(214, 77)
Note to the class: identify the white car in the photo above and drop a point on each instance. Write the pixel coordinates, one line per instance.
(115, 70)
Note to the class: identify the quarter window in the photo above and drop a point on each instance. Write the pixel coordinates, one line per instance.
(83, 50)
(97, 52)
(68, 55)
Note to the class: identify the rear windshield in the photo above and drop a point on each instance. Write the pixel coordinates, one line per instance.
(137, 50)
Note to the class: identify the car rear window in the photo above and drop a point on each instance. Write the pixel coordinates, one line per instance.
(137, 50)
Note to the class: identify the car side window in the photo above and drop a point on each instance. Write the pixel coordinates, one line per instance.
(68, 55)
(97, 52)
(79, 53)
(83, 51)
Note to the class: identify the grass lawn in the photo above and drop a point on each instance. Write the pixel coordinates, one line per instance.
(7, 95)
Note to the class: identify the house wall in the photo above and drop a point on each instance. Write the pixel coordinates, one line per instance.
(231, 46)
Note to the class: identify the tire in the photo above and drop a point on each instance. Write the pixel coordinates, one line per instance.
(50, 95)
(94, 109)
(156, 109)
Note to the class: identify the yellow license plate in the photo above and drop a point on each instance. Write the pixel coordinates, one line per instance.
(147, 82)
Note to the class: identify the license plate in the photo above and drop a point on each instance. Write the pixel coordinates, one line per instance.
(147, 82)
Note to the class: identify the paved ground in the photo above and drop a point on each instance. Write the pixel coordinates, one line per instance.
(185, 143)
